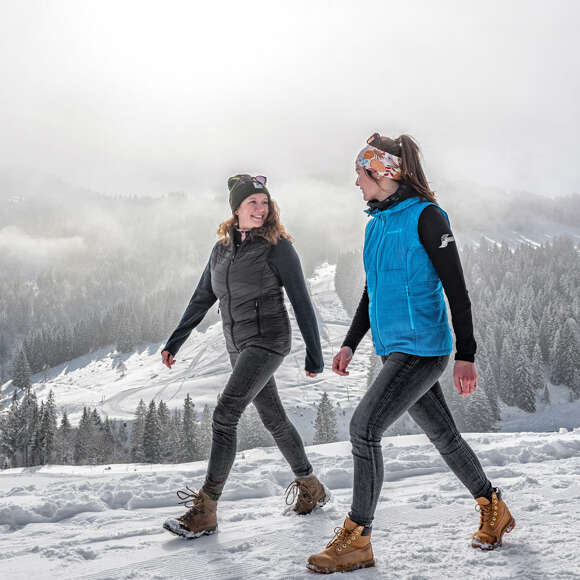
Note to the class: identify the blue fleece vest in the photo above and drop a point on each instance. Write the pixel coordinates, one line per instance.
(406, 306)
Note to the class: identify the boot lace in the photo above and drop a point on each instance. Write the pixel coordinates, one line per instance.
(487, 514)
(300, 489)
(190, 499)
(342, 538)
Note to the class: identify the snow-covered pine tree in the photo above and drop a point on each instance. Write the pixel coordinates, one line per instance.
(151, 435)
(37, 457)
(12, 432)
(566, 354)
(21, 371)
(123, 440)
(175, 436)
(83, 439)
(507, 378)
(524, 382)
(137, 432)
(48, 429)
(96, 419)
(487, 381)
(325, 422)
(205, 432)
(251, 430)
(65, 453)
(477, 414)
(537, 367)
(189, 442)
(126, 329)
(164, 418)
(109, 442)
(546, 397)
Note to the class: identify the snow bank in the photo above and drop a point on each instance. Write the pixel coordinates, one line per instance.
(94, 522)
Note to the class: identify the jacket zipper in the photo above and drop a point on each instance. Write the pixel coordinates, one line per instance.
(230, 297)
(258, 318)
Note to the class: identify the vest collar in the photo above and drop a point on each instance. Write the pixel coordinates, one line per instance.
(397, 207)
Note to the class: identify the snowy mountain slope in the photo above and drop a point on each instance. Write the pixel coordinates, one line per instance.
(203, 367)
(95, 522)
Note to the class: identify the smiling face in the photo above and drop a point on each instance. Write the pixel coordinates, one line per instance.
(253, 211)
(369, 187)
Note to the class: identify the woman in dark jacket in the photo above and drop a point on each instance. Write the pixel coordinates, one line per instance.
(248, 266)
(410, 257)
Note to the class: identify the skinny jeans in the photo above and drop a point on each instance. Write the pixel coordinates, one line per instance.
(406, 382)
(252, 380)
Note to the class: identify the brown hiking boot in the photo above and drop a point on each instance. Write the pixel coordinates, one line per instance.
(495, 520)
(311, 494)
(200, 519)
(348, 550)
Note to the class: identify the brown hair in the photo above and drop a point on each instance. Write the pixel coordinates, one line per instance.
(272, 230)
(405, 147)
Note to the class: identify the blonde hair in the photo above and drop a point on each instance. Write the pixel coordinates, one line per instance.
(272, 230)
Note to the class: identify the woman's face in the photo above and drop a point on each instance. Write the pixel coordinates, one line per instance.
(369, 187)
(253, 211)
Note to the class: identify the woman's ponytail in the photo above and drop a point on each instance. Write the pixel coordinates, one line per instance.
(405, 147)
(411, 170)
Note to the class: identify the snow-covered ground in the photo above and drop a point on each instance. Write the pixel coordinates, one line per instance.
(95, 522)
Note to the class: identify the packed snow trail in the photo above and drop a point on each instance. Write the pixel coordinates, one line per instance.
(93, 522)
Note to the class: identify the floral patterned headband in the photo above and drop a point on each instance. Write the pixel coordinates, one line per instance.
(379, 162)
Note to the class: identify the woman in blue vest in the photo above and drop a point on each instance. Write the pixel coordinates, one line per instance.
(410, 257)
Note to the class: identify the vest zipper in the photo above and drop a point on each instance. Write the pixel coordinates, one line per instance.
(409, 308)
(376, 294)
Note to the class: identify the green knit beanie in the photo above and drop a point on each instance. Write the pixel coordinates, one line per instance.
(244, 185)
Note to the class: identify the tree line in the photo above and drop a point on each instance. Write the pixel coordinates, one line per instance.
(34, 434)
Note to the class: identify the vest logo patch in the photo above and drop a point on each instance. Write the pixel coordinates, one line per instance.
(446, 239)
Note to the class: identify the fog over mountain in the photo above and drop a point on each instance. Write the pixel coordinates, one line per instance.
(150, 97)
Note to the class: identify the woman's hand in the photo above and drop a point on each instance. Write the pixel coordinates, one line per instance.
(167, 359)
(341, 360)
(311, 374)
(465, 377)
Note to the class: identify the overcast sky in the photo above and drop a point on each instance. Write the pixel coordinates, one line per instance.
(151, 97)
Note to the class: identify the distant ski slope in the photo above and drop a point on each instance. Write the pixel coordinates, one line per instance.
(203, 367)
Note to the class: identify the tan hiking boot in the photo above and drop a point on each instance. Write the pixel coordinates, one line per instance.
(348, 550)
(200, 519)
(495, 520)
(311, 494)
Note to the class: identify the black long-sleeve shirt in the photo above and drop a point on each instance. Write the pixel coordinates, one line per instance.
(285, 263)
(437, 239)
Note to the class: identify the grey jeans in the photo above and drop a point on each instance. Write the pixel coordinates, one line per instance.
(252, 379)
(406, 383)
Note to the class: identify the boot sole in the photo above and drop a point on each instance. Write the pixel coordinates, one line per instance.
(358, 566)
(320, 503)
(487, 547)
(181, 531)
